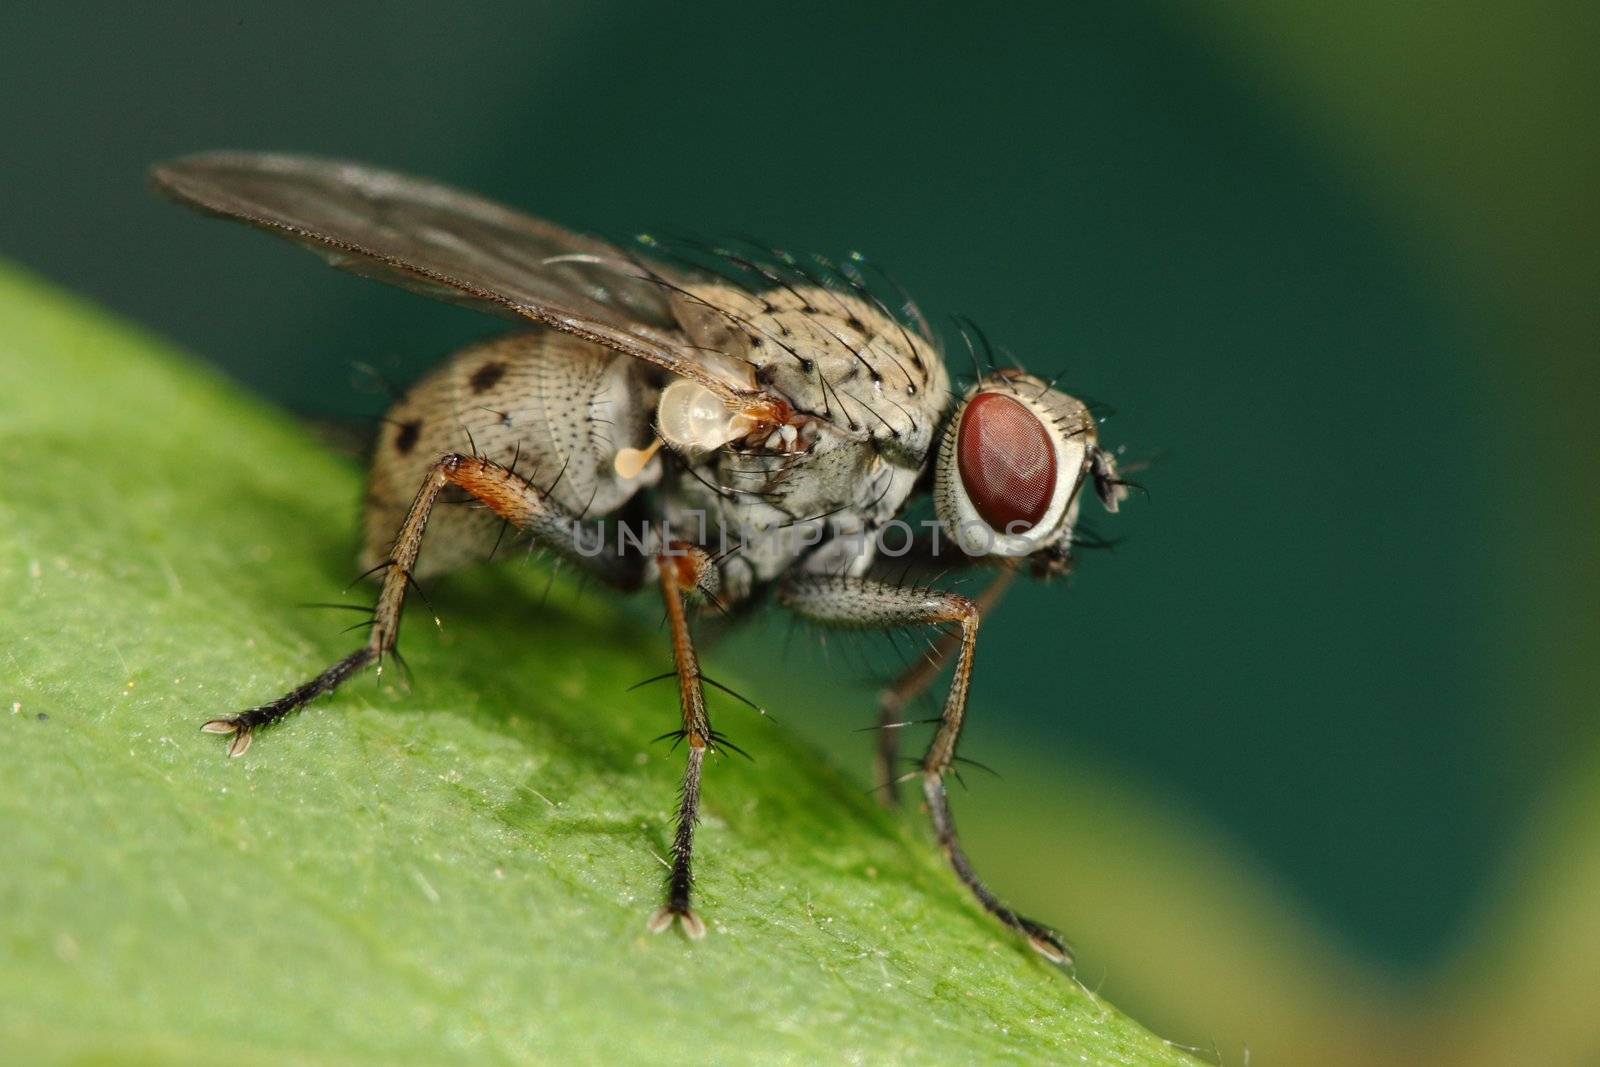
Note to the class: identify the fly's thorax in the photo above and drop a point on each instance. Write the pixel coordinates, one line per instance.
(764, 511)
(834, 356)
(864, 394)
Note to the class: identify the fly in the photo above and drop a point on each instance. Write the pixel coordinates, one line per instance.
(770, 419)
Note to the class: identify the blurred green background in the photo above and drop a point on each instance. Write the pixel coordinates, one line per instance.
(1278, 763)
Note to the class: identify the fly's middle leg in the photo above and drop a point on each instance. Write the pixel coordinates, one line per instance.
(510, 496)
(686, 571)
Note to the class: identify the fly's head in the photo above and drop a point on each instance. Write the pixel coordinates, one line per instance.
(1011, 467)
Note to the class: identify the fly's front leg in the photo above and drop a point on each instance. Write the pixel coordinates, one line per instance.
(686, 571)
(892, 701)
(864, 604)
(509, 495)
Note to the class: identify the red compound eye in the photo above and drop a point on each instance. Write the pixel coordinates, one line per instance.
(1007, 462)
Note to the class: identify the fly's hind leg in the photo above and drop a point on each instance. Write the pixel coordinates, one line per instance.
(508, 495)
(861, 603)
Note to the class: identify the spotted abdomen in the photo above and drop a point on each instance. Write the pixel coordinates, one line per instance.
(556, 407)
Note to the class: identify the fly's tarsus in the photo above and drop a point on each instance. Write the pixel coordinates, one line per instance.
(694, 928)
(1041, 938)
(243, 725)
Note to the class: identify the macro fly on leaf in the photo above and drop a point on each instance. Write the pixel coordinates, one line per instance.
(726, 424)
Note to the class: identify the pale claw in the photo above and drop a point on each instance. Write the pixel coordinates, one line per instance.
(1047, 944)
(693, 928)
(241, 737)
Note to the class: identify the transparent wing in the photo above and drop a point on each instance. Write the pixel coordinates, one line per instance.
(455, 247)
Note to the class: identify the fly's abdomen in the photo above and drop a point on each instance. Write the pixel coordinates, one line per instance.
(555, 408)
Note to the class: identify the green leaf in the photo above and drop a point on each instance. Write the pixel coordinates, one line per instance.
(461, 872)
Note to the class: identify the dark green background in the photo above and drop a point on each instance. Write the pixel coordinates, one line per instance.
(1319, 631)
